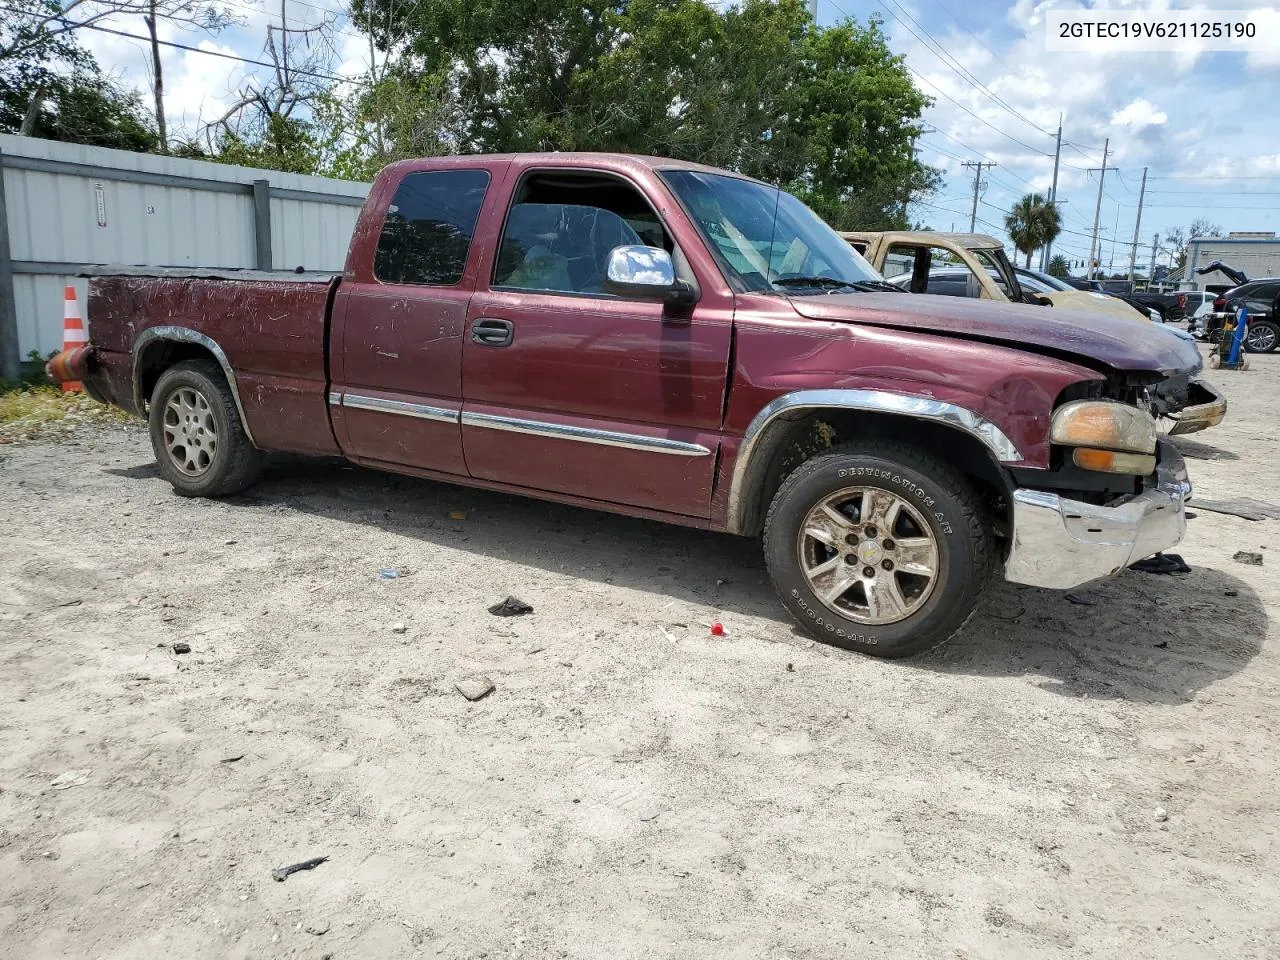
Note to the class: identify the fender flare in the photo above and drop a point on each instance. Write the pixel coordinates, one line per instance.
(176, 334)
(754, 447)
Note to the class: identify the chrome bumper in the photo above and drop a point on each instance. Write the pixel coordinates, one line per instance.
(1060, 543)
(1207, 410)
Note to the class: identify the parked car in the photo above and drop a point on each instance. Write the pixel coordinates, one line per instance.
(671, 341)
(1045, 283)
(1262, 299)
(986, 270)
(1080, 283)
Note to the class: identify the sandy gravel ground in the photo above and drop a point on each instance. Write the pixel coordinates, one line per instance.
(634, 787)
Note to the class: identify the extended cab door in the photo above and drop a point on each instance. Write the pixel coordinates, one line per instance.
(570, 389)
(400, 318)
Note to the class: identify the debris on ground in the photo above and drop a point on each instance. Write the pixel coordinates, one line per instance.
(399, 628)
(1231, 593)
(1161, 814)
(279, 873)
(1163, 644)
(474, 688)
(1244, 507)
(317, 928)
(388, 573)
(72, 778)
(510, 607)
(236, 758)
(457, 514)
(1082, 600)
(650, 812)
(182, 647)
(1244, 556)
(1161, 563)
(717, 629)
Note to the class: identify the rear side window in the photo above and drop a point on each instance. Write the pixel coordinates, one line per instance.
(427, 231)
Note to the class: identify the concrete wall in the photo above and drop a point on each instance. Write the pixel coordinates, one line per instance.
(66, 206)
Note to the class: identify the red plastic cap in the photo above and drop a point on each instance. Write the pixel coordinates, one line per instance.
(717, 629)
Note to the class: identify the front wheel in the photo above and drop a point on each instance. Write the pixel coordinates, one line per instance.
(199, 442)
(878, 548)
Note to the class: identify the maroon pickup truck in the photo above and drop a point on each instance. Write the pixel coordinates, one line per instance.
(677, 342)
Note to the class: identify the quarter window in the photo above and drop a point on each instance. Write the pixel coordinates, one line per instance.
(427, 231)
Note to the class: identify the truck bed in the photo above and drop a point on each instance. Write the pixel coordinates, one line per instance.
(267, 331)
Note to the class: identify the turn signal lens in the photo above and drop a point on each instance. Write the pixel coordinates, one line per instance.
(1107, 461)
(1105, 424)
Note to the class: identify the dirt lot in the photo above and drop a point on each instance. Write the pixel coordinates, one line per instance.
(634, 788)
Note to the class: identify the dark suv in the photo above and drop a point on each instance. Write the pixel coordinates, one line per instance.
(1262, 299)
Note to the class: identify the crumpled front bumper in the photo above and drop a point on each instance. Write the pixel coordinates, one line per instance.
(1060, 543)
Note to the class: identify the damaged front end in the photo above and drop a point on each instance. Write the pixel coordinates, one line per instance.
(1115, 489)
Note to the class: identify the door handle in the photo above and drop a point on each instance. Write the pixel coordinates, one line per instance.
(492, 333)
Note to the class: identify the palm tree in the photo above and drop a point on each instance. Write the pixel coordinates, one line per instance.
(1032, 222)
(1059, 267)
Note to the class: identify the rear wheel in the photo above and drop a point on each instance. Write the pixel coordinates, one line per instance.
(878, 548)
(196, 433)
(1262, 337)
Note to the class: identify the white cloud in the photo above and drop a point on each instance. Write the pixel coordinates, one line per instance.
(1140, 113)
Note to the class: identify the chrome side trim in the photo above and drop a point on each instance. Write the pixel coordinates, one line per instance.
(874, 401)
(335, 398)
(608, 438)
(419, 410)
(186, 335)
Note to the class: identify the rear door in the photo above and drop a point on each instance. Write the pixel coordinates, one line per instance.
(574, 390)
(399, 323)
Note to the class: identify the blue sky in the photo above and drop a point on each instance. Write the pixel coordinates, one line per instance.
(1187, 116)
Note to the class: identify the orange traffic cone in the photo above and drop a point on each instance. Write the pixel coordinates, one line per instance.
(73, 333)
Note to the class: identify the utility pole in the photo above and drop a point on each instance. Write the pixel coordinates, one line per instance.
(1137, 225)
(1097, 211)
(977, 182)
(1053, 195)
(1155, 249)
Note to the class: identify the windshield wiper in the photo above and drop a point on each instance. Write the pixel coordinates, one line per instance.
(872, 286)
(823, 282)
(831, 283)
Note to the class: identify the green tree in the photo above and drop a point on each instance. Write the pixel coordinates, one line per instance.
(754, 86)
(1059, 267)
(1032, 222)
(81, 107)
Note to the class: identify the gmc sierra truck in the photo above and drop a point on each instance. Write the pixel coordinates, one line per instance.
(682, 343)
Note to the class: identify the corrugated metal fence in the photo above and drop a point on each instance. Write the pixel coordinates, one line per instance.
(65, 207)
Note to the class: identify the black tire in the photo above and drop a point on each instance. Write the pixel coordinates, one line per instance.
(1270, 332)
(935, 492)
(233, 463)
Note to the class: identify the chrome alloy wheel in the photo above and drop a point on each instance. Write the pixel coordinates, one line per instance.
(190, 432)
(1260, 339)
(868, 555)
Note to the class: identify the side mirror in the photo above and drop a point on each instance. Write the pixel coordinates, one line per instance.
(646, 273)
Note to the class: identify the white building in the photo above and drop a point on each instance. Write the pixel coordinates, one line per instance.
(1257, 254)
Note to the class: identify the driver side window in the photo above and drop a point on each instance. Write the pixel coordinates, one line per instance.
(561, 228)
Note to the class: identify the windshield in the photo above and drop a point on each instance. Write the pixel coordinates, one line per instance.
(767, 240)
(1041, 282)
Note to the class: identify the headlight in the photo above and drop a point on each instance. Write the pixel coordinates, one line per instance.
(1110, 437)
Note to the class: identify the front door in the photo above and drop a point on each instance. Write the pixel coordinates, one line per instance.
(573, 390)
(397, 390)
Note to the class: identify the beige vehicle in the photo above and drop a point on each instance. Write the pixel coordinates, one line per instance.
(968, 265)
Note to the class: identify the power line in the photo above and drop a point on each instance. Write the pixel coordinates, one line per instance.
(190, 49)
(931, 44)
